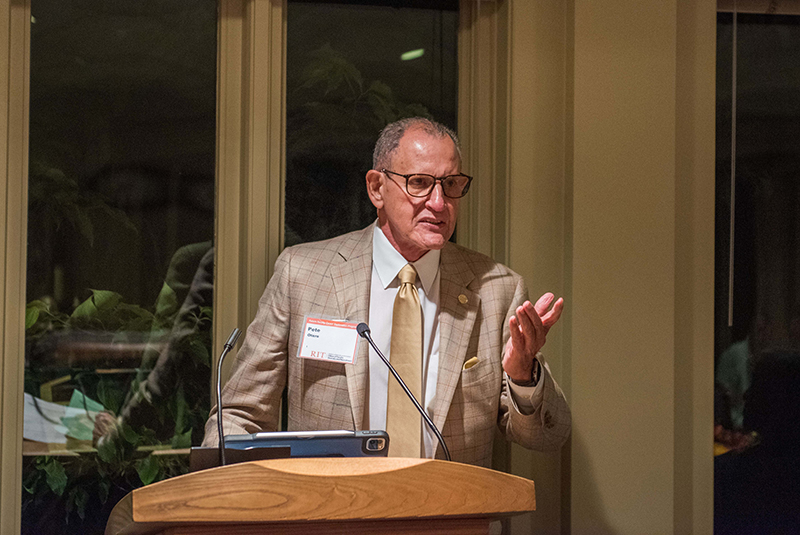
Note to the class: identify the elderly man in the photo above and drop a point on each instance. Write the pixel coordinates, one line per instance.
(457, 324)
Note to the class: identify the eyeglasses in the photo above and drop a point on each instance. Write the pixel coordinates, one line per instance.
(421, 185)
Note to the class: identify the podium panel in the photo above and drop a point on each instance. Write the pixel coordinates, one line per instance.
(476, 526)
(343, 495)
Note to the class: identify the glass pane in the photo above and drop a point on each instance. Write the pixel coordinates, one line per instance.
(757, 393)
(120, 254)
(343, 87)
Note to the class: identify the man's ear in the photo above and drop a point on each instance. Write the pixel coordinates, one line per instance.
(375, 188)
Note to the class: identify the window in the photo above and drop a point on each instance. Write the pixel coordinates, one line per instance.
(121, 215)
(343, 87)
(120, 253)
(758, 274)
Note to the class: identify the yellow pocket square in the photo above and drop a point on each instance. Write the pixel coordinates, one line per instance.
(470, 363)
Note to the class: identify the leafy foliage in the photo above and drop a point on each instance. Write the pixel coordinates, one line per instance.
(55, 477)
(329, 81)
(55, 199)
(333, 115)
(83, 483)
(102, 311)
(126, 461)
(126, 458)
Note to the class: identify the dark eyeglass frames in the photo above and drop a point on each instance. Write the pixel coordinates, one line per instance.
(421, 185)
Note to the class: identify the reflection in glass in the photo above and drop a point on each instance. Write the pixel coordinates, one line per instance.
(351, 70)
(120, 258)
(757, 393)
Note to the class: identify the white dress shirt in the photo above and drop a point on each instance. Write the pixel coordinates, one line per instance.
(386, 264)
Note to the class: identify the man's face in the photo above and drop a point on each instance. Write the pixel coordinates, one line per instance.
(415, 225)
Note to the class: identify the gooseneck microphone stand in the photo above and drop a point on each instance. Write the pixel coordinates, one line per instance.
(363, 331)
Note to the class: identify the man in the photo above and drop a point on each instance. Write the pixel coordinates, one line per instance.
(190, 283)
(480, 363)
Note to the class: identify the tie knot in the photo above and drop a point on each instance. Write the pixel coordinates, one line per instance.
(407, 275)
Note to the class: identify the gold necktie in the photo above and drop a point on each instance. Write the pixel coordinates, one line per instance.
(403, 422)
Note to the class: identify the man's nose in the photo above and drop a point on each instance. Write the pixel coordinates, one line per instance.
(436, 198)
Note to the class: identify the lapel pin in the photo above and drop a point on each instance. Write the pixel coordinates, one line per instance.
(463, 299)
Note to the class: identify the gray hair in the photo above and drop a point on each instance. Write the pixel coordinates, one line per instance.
(390, 138)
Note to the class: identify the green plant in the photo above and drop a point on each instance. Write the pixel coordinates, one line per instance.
(102, 311)
(129, 456)
(55, 199)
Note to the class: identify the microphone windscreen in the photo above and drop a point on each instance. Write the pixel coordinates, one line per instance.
(233, 337)
(363, 330)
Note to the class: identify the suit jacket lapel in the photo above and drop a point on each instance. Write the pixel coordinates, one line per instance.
(458, 308)
(351, 282)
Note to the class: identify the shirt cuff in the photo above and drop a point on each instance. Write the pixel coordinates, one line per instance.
(528, 398)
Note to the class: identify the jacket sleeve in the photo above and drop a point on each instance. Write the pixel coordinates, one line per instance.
(251, 398)
(548, 426)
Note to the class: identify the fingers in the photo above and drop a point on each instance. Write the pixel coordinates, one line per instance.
(104, 421)
(553, 314)
(549, 317)
(517, 338)
(528, 328)
(543, 303)
(531, 323)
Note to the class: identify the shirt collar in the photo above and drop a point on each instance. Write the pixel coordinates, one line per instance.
(388, 261)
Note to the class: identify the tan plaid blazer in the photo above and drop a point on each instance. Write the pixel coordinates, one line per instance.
(332, 279)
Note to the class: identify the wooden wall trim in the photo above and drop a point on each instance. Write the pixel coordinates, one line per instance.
(15, 19)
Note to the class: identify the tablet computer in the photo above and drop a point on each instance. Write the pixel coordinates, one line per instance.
(339, 443)
(277, 445)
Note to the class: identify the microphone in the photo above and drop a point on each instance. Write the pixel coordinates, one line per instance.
(227, 348)
(363, 332)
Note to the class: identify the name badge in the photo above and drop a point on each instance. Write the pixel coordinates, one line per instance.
(331, 340)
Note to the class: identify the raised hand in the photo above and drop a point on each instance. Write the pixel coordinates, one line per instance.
(529, 328)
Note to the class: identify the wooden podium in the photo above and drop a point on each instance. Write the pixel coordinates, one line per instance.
(332, 496)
